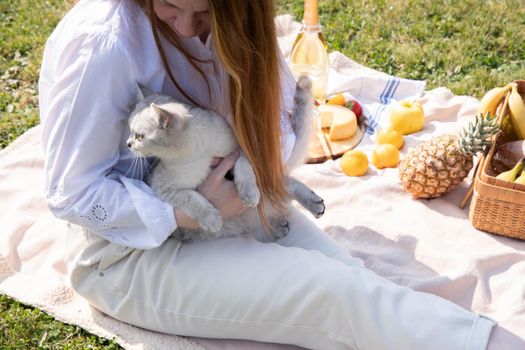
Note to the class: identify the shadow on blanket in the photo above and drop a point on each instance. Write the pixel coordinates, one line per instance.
(397, 261)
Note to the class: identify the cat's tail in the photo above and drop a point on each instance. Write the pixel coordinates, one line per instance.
(301, 122)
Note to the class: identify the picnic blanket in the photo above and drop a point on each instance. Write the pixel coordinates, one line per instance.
(427, 245)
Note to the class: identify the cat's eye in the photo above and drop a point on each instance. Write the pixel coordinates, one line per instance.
(139, 137)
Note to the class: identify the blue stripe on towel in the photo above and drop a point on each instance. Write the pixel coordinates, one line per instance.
(387, 86)
(386, 97)
(398, 81)
(374, 120)
(374, 116)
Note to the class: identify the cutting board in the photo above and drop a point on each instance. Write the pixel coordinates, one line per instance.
(322, 149)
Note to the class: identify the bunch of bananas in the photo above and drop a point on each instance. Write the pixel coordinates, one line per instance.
(512, 174)
(490, 101)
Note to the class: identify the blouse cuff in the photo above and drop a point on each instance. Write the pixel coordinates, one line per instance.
(157, 215)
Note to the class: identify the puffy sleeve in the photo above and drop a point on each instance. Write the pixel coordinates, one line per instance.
(85, 89)
(287, 97)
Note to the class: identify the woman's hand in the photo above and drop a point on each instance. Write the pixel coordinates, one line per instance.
(222, 193)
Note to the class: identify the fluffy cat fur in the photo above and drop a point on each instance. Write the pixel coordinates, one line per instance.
(185, 139)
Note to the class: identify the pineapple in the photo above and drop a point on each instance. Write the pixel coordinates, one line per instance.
(435, 167)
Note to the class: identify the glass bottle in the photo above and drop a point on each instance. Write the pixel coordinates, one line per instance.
(309, 53)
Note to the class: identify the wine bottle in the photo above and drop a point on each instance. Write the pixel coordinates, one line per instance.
(309, 53)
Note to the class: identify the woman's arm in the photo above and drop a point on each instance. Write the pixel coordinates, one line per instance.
(86, 87)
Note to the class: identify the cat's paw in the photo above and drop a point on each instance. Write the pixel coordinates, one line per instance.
(211, 221)
(315, 205)
(280, 226)
(249, 194)
(318, 208)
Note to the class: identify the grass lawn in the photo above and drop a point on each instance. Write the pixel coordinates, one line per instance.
(466, 45)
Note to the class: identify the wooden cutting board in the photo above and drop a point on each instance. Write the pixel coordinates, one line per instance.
(321, 148)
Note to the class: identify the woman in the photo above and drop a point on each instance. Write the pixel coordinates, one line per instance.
(303, 289)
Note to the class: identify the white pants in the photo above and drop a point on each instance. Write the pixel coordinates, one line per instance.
(304, 290)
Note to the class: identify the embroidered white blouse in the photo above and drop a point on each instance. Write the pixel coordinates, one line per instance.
(92, 63)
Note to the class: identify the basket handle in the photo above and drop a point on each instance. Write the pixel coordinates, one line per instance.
(470, 190)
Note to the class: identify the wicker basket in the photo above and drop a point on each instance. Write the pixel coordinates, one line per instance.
(498, 206)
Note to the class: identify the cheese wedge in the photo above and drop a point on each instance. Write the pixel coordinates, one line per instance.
(326, 118)
(341, 120)
(344, 126)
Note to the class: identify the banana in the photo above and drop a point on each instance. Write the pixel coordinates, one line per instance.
(517, 112)
(521, 179)
(489, 103)
(510, 175)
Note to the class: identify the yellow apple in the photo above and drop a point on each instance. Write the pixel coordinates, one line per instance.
(390, 136)
(407, 117)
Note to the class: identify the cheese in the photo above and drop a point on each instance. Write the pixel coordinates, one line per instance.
(326, 118)
(341, 121)
(344, 126)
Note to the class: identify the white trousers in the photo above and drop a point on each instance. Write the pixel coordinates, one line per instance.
(304, 289)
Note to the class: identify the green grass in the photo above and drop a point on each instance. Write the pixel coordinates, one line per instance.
(24, 27)
(23, 327)
(468, 46)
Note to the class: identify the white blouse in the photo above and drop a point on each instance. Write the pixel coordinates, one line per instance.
(92, 62)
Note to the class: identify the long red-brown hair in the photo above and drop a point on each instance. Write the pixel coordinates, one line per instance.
(244, 38)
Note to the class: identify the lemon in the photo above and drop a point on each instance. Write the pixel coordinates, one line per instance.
(390, 136)
(354, 163)
(338, 99)
(385, 156)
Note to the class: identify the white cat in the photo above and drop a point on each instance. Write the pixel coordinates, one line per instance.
(185, 139)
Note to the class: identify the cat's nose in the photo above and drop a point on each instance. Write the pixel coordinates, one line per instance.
(129, 144)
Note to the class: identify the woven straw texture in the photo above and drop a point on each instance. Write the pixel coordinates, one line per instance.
(498, 206)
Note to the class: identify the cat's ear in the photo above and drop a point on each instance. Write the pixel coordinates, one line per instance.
(164, 118)
(167, 119)
(141, 92)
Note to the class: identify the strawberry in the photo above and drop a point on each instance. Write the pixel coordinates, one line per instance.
(355, 107)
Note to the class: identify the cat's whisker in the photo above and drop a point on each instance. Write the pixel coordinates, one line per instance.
(129, 173)
(140, 169)
(148, 165)
(136, 164)
(135, 167)
(145, 167)
(142, 165)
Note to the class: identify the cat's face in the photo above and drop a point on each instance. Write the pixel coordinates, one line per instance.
(158, 130)
(143, 134)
